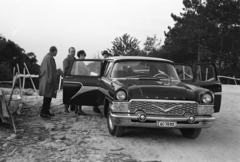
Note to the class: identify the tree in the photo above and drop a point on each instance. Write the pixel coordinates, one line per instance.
(152, 46)
(11, 54)
(125, 45)
(206, 31)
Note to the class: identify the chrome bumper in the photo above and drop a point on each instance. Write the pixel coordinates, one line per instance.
(126, 120)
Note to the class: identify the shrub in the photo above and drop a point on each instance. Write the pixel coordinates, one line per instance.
(5, 72)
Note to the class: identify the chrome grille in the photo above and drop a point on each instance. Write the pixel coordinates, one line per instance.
(164, 107)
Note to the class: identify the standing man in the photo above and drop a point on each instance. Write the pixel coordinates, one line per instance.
(66, 67)
(106, 54)
(48, 82)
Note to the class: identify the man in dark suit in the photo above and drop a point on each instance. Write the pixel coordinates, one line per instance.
(66, 67)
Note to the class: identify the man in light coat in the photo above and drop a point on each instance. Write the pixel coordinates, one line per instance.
(48, 82)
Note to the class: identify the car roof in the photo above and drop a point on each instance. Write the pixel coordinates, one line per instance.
(116, 58)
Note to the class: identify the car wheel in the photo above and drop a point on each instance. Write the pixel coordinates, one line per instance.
(191, 132)
(113, 129)
(96, 109)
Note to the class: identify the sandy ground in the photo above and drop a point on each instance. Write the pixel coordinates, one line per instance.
(69, 138)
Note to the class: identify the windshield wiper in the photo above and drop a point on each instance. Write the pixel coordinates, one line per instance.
(141, 77)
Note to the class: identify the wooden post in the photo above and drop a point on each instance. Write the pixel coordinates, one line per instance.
(184, 72)
(30, 77)
(13, 74)
(20, 83)
(234, 80)
(23, 78)
(10, 98)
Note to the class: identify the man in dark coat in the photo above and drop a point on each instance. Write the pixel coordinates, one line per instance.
(66, 67)
(48, 82)
(68, 61)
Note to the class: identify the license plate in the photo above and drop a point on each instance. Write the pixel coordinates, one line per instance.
(166, 124)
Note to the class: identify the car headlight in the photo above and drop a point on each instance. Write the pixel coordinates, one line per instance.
(207, 98)
(121, 95)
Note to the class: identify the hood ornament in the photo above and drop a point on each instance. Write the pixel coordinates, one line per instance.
(164, 109)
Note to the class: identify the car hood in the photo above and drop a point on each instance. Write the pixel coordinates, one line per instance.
(145, 89)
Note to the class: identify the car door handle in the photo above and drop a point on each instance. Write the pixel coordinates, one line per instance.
(69, 77)
(112, 85)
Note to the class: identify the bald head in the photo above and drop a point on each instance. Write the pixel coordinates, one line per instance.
(72, 51)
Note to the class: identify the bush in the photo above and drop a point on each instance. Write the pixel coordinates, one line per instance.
(5, 72)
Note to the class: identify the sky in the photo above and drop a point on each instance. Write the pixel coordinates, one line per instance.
(89, 25)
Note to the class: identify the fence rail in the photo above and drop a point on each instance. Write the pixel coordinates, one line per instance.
(233, 78)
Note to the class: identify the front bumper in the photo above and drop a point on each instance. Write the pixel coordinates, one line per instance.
(151, 121)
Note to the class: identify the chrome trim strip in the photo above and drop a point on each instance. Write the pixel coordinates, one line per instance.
(164, 118)
(218, 93)
(202, 122)
(152, 100)
(72, 82)
(202, 106)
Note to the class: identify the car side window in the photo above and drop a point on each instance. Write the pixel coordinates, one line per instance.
(184, 72)
(86, 68)
(205, 73)
(107, 68)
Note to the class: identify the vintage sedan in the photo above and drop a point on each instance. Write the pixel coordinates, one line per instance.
(146, 92)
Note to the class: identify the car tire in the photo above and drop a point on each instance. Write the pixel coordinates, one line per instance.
(96, 109)
(191, 133)
(113, 129)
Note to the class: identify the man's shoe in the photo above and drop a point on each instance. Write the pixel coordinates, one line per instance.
(50, 114)
(46, 116)
(66, 111)
(80, 112)
(96, 109)
(72, 107)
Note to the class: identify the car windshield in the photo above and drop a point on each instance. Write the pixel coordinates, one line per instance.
(144, 69)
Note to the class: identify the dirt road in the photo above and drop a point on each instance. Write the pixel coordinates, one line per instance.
(68, 138)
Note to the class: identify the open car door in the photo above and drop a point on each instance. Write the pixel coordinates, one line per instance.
(80, 85)
(203, 75)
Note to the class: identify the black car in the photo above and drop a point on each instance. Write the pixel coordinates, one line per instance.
(146, 92)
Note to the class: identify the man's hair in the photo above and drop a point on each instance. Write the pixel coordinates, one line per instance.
(52, 49)
(71, 48)
(81, 52)
(105, 52)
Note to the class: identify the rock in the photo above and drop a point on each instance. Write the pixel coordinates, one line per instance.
(49, 126)
(19, 137)
(5, 145)
(119, 149)
(3, 160)
(60, 126)
(67, 126)
(59, 137)
(20, 130)
(11, 153)
(12, 136)
(1, 136)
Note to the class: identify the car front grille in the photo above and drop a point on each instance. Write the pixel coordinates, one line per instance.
(164, 107)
